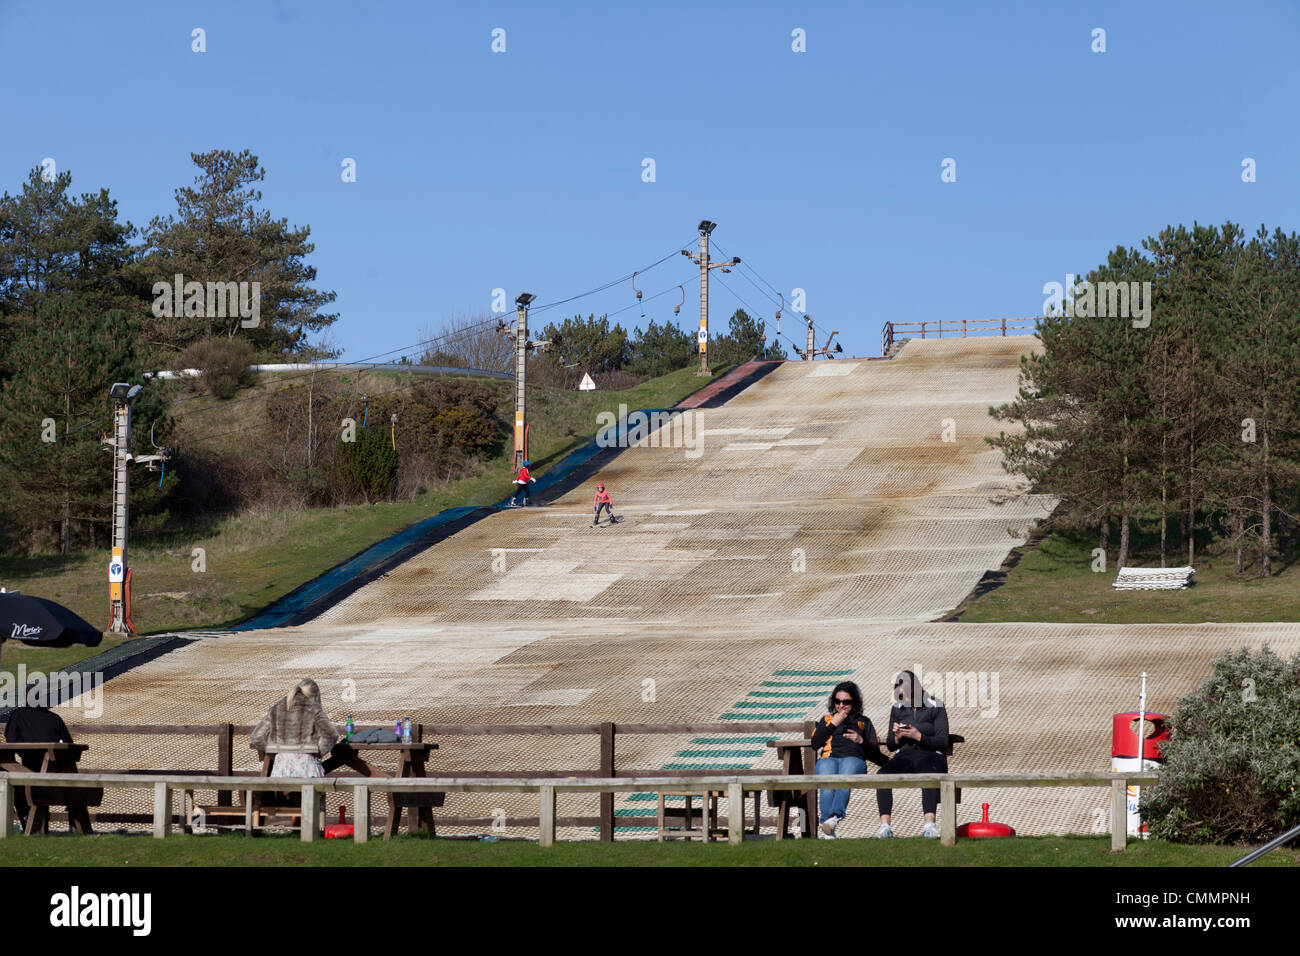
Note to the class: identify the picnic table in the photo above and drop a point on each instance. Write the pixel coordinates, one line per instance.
(793, 754)
(60, 757)
(412, 758)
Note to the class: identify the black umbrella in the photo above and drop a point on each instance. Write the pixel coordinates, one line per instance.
(41, 623)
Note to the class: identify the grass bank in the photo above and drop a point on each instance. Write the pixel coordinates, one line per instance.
(228, 850)
(1054, 582)
(251, 560)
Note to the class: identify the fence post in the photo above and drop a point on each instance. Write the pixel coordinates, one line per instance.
(947, 812)
(309, 820)
(735, 813)
(1118, 815)
(607, 770)
(963, 328)
(162, 810)
(546, 816)
(1004, 327)
(6, 806)
(225, 759)
(360, 813)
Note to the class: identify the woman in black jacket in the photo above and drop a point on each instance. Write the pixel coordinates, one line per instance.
(844, 741)
(918, 731)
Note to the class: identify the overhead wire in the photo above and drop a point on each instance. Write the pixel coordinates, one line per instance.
(290, 378)
(744, 265)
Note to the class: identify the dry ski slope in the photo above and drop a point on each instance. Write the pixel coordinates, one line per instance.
(822, 524)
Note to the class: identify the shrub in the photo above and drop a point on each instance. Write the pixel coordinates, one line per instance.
(222, 363)
(367, 468)
(1232, 766)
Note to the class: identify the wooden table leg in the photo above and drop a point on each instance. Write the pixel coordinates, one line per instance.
(394, 817)
(79, 817)
(418, 817)
(38, 820)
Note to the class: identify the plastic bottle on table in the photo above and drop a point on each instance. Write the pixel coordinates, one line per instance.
(351, 728)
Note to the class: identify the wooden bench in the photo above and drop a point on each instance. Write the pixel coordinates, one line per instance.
(260, 809)
(708, 814)
(56, 758)
(795, 754)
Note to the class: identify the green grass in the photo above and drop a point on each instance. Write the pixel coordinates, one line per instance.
(1054, 582)
(254, 559)
(231, 850)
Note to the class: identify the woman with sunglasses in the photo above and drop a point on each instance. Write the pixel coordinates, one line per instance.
(844, 740)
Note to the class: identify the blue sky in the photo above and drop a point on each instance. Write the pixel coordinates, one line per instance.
(523, 169)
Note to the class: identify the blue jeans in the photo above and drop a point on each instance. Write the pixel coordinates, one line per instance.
(833, 803)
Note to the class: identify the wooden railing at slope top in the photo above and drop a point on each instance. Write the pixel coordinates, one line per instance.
(1002, 326)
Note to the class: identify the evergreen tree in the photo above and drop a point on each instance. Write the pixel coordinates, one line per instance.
(661, 349)
(69, 357)
(220, 235)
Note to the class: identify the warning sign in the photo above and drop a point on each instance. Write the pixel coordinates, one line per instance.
(586, 385)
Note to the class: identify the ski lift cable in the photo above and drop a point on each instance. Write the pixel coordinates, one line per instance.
(156, 402)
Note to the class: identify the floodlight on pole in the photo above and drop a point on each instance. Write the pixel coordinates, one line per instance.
(123, 395)
(522, 301)
(702, 259)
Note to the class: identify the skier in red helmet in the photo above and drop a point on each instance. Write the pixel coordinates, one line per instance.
(603, 501)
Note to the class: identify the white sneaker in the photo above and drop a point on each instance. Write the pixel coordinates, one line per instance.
(884, 833)
(828, 828)
(930, 830)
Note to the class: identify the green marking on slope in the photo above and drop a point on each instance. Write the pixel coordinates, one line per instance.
(770, 704)
(812, 673)
(731, 740)
(785, 693)
(798, 683)
(703, 766)
(775, 715)
(719, 753)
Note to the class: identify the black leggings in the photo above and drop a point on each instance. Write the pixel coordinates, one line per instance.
(913, 760)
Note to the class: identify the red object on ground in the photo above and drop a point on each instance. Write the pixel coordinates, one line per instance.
(1124, 736)
(983, 828)
(340, 830)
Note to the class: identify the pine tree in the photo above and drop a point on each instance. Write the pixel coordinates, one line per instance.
(220, 235)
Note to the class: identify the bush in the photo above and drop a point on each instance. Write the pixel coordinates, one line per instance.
(222, 363)
(367, 468)
(1232, 767)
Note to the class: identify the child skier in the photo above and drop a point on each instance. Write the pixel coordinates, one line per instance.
(522, 482)
(603, 501)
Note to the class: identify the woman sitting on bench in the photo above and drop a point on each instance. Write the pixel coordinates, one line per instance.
(844, 741)
(297, 729)
(918, 730)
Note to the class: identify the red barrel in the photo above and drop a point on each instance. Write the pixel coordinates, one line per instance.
(1124, 737)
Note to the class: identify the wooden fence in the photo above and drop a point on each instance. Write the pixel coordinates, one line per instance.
(224, 737)
(163, 785)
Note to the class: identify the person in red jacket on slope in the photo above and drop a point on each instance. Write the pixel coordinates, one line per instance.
(603, 501)
(523, 486)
